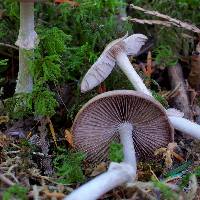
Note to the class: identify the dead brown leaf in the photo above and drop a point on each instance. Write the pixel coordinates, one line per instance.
(168, 153)
(194, 76)
(99, 169)
(4, 119)
(52, 131)
(69, 138)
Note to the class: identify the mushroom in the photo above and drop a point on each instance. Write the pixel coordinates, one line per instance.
(132, 116)
(116, 52)
(27, 40)
(136, 119)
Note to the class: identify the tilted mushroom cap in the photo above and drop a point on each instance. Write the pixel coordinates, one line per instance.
(96, 124)
(106, 62)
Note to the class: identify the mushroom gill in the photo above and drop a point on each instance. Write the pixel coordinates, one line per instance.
(97, 124)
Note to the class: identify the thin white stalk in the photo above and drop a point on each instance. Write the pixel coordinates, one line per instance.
(24, 80)
(125, 65)
(125, 132)
(179, 123)
(27, 40)
(185, 126)
(117, 174)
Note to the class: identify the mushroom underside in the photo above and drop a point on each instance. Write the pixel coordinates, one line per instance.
(96, 125)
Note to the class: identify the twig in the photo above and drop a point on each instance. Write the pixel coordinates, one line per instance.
(11, 168)
(13, 176)
(6, 180)
(39, 154)
(56, 195)
(9, 45)
(57, 90)
(181, 101)
(170, 20)
(150, 22)
(12, 152)
(172, 93)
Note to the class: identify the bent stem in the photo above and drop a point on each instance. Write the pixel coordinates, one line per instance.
(185, 126)
(179, 123)
(27, 40)
(117, 174)
(125, 65)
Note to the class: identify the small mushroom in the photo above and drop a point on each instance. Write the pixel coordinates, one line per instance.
(139, 121)
(116, 52)
(27, 40)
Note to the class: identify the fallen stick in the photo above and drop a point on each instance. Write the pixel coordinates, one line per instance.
(6, 180)
(181, 100)
(169, 20)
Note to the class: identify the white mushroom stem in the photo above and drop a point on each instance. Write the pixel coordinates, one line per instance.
(27, 40)
(185, 126)
(125, 132)
(125, 65)
(188, 127)
(117, 174)
(24, 80)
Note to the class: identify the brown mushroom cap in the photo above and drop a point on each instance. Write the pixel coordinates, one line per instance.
(95, 125)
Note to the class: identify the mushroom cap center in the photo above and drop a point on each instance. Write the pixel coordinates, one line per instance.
(125, 127)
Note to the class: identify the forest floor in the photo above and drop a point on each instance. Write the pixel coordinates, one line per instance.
(27, 170)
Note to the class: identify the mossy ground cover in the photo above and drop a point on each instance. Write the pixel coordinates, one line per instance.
(37, 156)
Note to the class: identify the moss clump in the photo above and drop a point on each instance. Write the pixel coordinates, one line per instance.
(68, 166)
(116, 152)
(15, 192)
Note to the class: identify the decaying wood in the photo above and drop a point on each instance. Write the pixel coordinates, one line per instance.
(6, 180)
(194, 76)
(181, 100)
(150, 22)
(44, 145)
(168, 19)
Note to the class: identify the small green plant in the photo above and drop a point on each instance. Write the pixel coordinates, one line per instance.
(160, 98)
(3, 62)
(15, 192)
(186, 178)
(68, 166)
(116, 152)
(43, 100)
(166, 192)
(165, 56)
(18, 106)
(180, 169)
(3, 68)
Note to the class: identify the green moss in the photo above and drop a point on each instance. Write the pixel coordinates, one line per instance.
(166, 192)
(160, 99)
(165, 56)
(15, 192)
(68, 166)
(116, 152)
